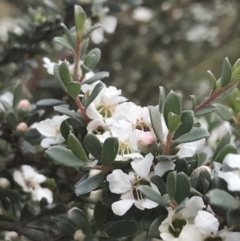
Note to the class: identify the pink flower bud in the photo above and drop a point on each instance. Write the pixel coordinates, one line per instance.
(24, 104)
(146, 139)
(22, 127)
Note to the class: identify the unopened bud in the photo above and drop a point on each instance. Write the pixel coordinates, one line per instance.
(22, 127)
(96, 195)
(79, 235)
(94, 172)
(4, 183)
(147, 143)
(23, 109)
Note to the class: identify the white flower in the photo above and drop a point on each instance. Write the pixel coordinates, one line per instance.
(7, 97)
(142, 14)
(190, 148)
(126, 184)
(50, 128)
(232, 178)
(108, 23)
(178, 226)
(29, 180)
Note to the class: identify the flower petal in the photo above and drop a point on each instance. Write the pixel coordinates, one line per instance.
(188, 232)
(163, 166)
(119, 182)
(122, 206)
(232, 180)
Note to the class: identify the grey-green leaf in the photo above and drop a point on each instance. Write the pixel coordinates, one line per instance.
(65, 73)
(226, 73)
(64, 43)
(92, 58)
(74, 89)
(182, 187)
(77, 148)
(99, 214)
(96, 77)
(63, 156)
(109, 151)
(93, 145)
(171, 184)
(89, 184)
(17, 94)
(94, 93)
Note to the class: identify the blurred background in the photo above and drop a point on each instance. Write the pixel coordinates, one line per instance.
(155, 42)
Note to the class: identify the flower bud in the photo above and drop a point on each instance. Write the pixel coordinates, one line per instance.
(96, 195)
(4, 183)
(147, 143)
(23, 108)
(79, 235)
(22, 127)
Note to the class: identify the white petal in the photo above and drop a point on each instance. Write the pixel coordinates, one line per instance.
(28, 171)
(189, 149)
(149, 204)
(109, 23)
(168, 237)
(97, 36)
(206, 223)
(142, 167)
(233, 180)
(119, 182)
(46, 128)
(188, 232)
(47, 142)
(230, 236)
(122, 206)
(92, 112)
(57, 120)
(232, 160)
(193, 206)
(163, 166)
(19, 179)
(39, 193)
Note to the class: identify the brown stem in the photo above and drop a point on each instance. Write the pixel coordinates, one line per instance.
(82, 109)
(214, 95)
(166, 147)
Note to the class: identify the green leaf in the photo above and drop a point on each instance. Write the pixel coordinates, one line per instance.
(233, 217)
(69, 36)
(109, 151)
(77, 148)
(56, 71)
(173, 103)
(99, 214)
(224, 141)
(121, 229)
(195, 134)
(171, 184)
(64, 156)
(173, 122)
(234, 100)
(92, 58)
(162, 96)
(64, 43)
(154, 228)
(17, 94)
(194, 102)
(11, 194)
(12, 120)
(74, 89)
(90, 30)
(80, 18)
(69, 113)
(84, 47)
(182, 187)
(187, 121)
(65, 73)
(226, 73)
(94, 146)
(96, 77)
(226, 93)
(94, 94)
(49, 102)
(223, 199)
(206, 110)
(89, 184)
(212, 79)
(227, 149)
(91, 237)
(66, 229)
(156, 122)
(80, 220)
(236, 71)
(65, 129)
(148, 192)
(224, 112)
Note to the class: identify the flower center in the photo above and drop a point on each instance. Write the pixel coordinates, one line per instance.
(213, 239)
(142, 126)
(99, 131)
(30, 183)
(124, 148)
(104, 111)
(176, 226)
(136, 194)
